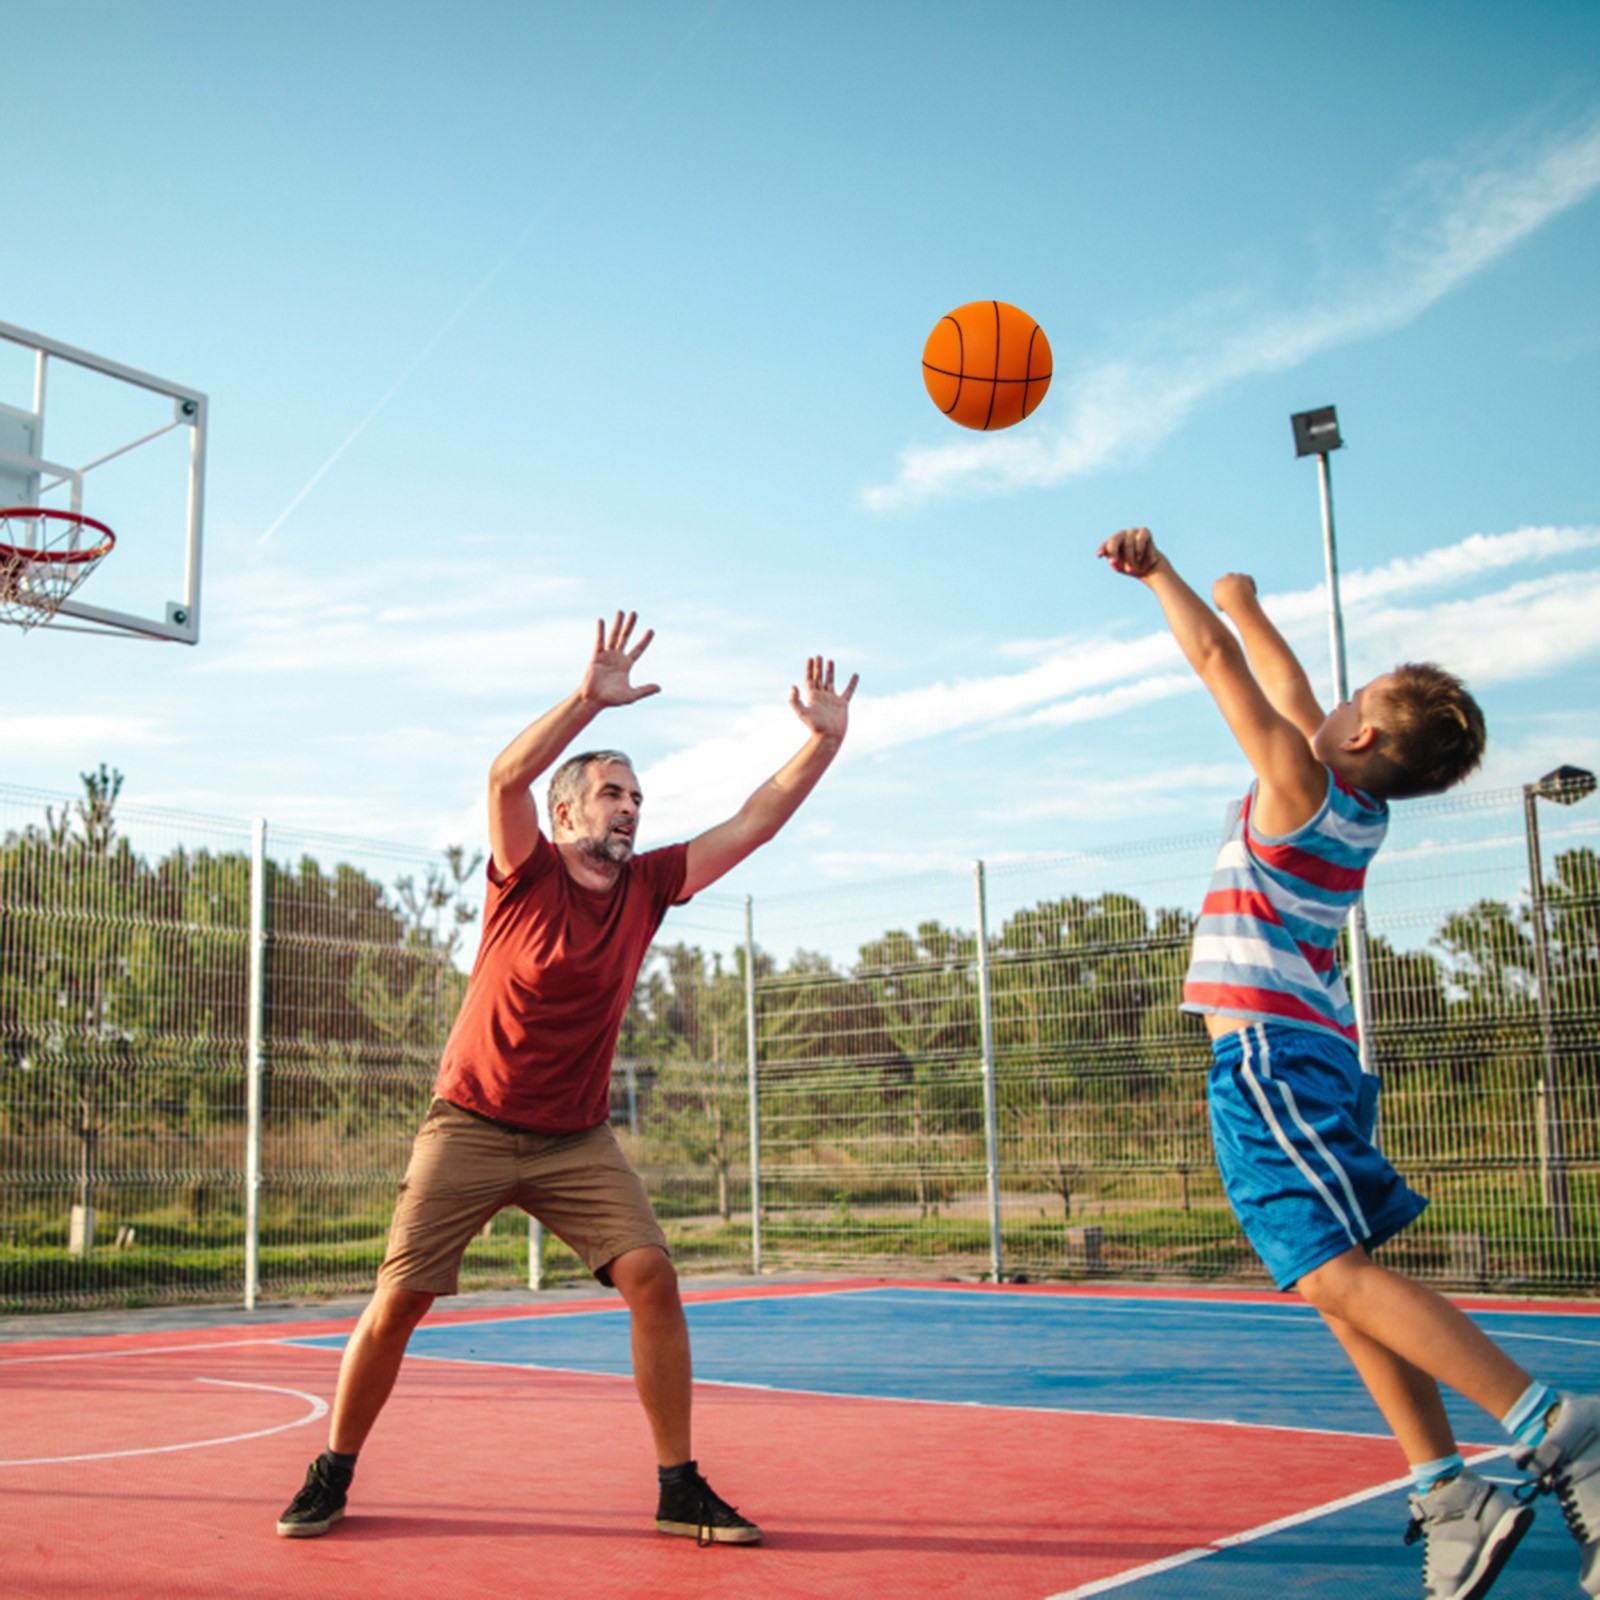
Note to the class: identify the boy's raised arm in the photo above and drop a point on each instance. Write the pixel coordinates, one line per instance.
(1276, 667)
(1292, 782)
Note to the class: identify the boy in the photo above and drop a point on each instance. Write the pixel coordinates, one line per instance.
(1292, 1116)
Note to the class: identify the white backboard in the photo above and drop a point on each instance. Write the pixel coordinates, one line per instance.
(80, 432)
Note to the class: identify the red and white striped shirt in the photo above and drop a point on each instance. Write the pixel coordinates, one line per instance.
(1264, 948)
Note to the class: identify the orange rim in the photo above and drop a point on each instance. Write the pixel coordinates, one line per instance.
(69, 558)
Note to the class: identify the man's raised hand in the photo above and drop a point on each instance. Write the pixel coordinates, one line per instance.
(606, 680)
(822, 709)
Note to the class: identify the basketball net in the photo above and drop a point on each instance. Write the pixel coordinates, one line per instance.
(44, 556)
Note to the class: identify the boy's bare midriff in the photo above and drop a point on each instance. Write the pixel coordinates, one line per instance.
(1219, 1024)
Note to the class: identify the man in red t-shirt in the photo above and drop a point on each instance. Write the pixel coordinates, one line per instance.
(520, 1106)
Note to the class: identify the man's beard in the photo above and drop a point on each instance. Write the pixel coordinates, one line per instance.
(612, 849)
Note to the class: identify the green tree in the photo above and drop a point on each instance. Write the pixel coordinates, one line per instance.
(1087, 1028)
(68, 1011)
(409, 992)
(924, 987)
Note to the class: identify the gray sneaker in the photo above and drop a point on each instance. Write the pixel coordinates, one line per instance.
(1471, 1527)
(1567, 1464)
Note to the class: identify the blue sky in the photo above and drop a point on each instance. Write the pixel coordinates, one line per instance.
(515, 314)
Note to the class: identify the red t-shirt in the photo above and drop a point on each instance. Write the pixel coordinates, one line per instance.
(533, 1041)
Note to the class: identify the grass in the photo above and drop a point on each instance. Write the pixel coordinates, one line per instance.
(1469, 1239)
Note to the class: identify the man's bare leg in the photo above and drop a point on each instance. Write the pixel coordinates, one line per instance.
(663, 1370)
(372, 1363)
(664, 1376)
(366, 1377)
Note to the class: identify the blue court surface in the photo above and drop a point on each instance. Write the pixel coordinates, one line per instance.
(895, 1441)
(1258, 1373)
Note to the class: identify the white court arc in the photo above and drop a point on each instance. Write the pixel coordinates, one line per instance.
(317, 1408)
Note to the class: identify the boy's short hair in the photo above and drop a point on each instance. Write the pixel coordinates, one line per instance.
(1431, 732)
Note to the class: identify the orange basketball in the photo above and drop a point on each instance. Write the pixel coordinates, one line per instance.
(986, 364)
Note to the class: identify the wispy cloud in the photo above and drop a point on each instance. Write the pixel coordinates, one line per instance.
(1527, 630)
(1113, 702)
(1405, 609)
(1479, 555)
(471, 627)
(1090, 796)
(1444, 223)
(22, 735)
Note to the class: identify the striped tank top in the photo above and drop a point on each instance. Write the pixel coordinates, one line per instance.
(1264, 945)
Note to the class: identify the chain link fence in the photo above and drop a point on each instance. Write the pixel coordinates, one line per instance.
(216, 1042)
(990, 1073)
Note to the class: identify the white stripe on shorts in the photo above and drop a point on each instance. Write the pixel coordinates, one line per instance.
(1256, 1036)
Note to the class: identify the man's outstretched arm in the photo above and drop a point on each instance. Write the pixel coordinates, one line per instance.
(513, 812)
(826, 713)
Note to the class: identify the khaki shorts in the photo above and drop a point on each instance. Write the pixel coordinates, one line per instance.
(465, 1168)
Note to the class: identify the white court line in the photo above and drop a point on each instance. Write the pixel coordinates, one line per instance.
(907, 1400)
(303, 1341)
(319, 1408)
(1547, 1338)
(1293, 1315)
(150, 1350)
(1231, 1541)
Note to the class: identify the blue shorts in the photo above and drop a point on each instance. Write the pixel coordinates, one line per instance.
(1292, 1117)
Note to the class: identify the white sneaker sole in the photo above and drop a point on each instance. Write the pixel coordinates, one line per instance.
(307, 1530)
(691, 1530)
(1496, 1552)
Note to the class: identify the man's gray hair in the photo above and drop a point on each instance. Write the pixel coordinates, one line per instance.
(567, 784)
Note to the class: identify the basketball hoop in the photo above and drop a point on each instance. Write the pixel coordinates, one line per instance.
(44, 556)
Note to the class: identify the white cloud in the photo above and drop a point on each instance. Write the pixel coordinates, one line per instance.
(1520, 754)
(1091, 796)
(885, 722)
(1446, 222)
(27, 734)
(1473, 557)
(469, 628)
(1112, 703)
(1529, 630)
(1536, 626)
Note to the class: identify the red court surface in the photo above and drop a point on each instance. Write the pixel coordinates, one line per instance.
(155, 1465)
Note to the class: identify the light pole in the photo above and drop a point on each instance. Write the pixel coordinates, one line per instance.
(1316, 433)
(1565, 786)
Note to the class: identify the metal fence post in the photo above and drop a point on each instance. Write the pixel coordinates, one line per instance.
(535, 1253)
(991, 1133)
(255, 1061)
(755, 1100)
(1551, 1122)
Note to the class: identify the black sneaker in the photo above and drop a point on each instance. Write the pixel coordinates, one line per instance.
(319, 1504)
(692, 1509)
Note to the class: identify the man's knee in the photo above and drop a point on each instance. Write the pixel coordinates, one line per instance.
(393, 1312)
(646, 1278)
